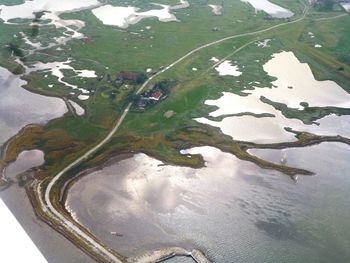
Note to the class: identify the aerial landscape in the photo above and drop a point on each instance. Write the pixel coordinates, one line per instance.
(177, 131)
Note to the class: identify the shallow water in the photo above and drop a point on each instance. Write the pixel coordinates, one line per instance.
(55, 68)
(25, 161)
(51, 16)
(270, 8)
(19, 107)
(227, 69)
(27, 9)
(180, 260)
(78, 109)
(346, 6)
(243, 213)
(294, 84)
(273, 129)
(123, 16)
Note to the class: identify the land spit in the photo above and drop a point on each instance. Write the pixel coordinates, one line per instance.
(168, 253)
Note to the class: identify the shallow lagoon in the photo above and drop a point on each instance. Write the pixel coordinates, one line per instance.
(25, 161)
(227, 69)
(290, 89)
(19, 107)
(270, 8)
(123, 16)
(28, 8)
(56, 69)
(243, 213)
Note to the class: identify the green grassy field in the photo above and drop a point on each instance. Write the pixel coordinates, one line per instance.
(109, 50)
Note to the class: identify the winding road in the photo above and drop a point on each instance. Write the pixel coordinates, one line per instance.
(71, 226)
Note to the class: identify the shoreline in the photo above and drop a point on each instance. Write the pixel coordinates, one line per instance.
(45, 238)
(169, 252)
(62, 226)
(158, 255)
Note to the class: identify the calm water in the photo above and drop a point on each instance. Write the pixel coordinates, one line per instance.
(294, 84)
(270, 8)
(19, 107)
(25, 161)
(180, 260)
(231, 209)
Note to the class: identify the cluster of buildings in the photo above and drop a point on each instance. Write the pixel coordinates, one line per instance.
(155, 93)
(345, 4)
(128, 77)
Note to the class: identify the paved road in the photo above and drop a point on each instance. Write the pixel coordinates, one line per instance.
(51, 210)
(218, 42)
(67, 223)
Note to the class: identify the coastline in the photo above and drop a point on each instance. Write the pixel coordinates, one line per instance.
(64, 185)
(43, 235)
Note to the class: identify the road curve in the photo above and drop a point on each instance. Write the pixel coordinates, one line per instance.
(70, 225)
(46, 203)
(220, 41)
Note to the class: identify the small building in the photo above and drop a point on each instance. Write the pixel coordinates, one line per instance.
(128, 76)
(133, 78)
(142, 103)
(156, 95)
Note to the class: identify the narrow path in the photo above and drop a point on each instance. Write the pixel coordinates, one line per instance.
(70, 107)
(220, 41)
(46, 204)
(68, 224)
(330, 18)
(229, 55)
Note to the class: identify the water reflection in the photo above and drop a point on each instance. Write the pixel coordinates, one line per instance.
(25, 161)
(231, 209)
(294, 86)
(270, 8)
(19, 107)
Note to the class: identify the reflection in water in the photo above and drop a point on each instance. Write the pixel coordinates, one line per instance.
(270, 8)
(180, 260)
(25, 161)
(231, 209)
(290, 89)
(19, 107)
(29, 7)
(124, 16)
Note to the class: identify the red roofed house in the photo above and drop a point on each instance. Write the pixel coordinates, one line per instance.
(156, 95)
(128, 76)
